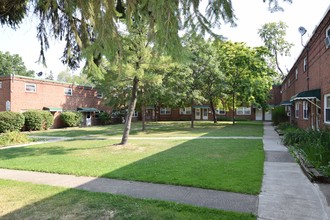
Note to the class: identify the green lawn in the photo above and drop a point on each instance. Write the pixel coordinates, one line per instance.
(29, 201)
(230, 165)
(165, 129)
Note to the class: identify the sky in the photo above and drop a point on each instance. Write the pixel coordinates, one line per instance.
(251, 15)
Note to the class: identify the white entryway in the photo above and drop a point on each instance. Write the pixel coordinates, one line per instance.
(258, 114)
(201, 113)
(268, 115)
(88, 119)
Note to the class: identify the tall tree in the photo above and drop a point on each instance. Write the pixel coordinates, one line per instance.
(273, 36)
(13, 64)
(244, 68)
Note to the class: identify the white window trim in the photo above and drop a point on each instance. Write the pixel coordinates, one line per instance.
(31, 84)
(220, 111)
(305, 64)
(296, 73)
(325, 108)
(165, 111)
(305, 110)
(99, 95)
(244, 110)
(185, 111)
(327, 37)
(66, 91)
(296, 109)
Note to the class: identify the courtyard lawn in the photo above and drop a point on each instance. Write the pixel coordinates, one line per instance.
(230, 165)
(164, 129)
(29, 201)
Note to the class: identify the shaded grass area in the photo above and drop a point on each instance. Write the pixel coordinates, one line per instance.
(29, 201)
(165, 129)
(230, 165)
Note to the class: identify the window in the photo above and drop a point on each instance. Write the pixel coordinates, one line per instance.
(296, 107)
(99, 95)
(220, 111)
(185, 111)
(305, 109)
(30, 87)
(68, 91)
(243, 111)
(135, 114)
(305, 64)
(0, 85)
(289, 82)
(327, 37)
(327, 108)
(165, 111)
(296, 73)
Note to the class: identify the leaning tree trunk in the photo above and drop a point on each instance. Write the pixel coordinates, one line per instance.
(131, 108)
(213, 111)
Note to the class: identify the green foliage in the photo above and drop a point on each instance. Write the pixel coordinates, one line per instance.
(48, 119)
(11, 121)
(273, 36)
(14, 137)
(279, 115)
(13, 64)
(105, 118)
(313, 145)
(34, 120)
(71, 119)
(12, 12)
(285, 126)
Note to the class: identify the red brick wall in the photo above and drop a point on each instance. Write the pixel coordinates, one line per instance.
(316, 77)
(48, 94)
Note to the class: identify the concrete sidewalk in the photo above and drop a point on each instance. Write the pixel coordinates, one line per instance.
(286, 192)
(186, 195)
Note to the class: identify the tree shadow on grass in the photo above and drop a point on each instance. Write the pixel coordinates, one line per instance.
(59, 203)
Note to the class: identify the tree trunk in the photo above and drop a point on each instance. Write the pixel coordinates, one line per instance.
(192, 114)
(156, 112)
(213, 111)
(131, 108)
(143, 112)
(233, 108)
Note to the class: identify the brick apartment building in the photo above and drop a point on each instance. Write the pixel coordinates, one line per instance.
(203, 112)
(19, 94)
(306, 89)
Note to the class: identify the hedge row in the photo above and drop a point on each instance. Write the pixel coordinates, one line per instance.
(29, 120)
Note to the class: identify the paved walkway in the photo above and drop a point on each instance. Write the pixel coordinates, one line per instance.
(286, 192)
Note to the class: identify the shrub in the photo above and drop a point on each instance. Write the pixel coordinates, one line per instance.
(105, 118)
(279, 115)
(71, 119)
(11, 121)
(48, 119)
(33, 120)
(314, 145)
(14, 137)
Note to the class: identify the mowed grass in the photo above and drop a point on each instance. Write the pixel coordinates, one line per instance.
(164, 129)
(29, 201)
(230, 165)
